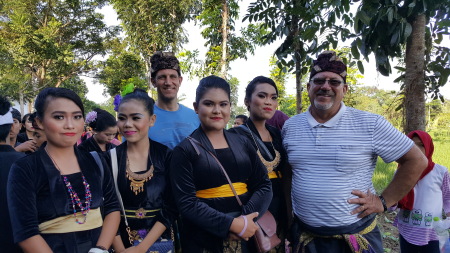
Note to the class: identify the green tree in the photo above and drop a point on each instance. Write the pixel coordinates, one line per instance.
(77, 85)
(386, 28)
(153, 25)
(53, 40)
(306, 27)
(121, 68)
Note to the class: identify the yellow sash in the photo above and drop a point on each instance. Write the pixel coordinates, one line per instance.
(274, 174)
(222, 191)
(67, 224)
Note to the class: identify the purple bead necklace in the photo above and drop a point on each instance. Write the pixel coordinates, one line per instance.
(74, 196)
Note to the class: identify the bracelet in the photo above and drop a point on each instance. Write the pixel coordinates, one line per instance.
(97, 249)
(383, 201)
(245, 226)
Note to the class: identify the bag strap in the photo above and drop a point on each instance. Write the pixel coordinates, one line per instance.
(258, 142)
(100, 165)
(115, 170)
(194, 143)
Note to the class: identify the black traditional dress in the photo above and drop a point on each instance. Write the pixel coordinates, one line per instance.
(90, 145)
(7, 157)
(37, 194)
(207, 220)
(278, 204)
(154, 203)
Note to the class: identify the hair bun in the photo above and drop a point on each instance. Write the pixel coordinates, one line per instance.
(4, 105)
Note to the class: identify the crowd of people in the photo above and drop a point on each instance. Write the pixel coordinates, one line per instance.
(164, 178)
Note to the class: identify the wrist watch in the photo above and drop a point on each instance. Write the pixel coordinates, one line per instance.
(383, 201)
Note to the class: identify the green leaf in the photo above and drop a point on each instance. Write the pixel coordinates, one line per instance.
(390, 15)
(355, 51)
(408, 30)
(361, 67)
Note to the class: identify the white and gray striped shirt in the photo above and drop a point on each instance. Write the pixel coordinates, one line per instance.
(330, 160)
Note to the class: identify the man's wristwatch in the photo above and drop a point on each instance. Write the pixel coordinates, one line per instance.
(383, 201)
(98, 249)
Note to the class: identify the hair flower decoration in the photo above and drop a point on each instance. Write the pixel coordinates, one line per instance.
(116, 103)
(91, 117)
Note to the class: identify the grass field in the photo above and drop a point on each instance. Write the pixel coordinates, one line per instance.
(384, 172)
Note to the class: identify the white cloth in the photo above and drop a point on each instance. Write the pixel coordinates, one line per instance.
(330, 160)
(7, 118)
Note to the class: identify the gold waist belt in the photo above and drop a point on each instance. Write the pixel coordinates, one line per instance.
(67, 224)
(141, 213)
(222, 191)
(274, 174)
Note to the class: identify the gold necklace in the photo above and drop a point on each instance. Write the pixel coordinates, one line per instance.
(138, 180)
(270, 165)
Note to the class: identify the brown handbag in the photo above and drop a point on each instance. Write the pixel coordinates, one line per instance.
(266, 236)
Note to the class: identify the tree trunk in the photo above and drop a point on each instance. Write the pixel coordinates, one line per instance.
(223, 60)
(295, 27)
(298, 83)
(414, 102)
(21, 102)
(148, 76)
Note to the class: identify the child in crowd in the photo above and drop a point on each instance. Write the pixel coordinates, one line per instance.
(425, 201)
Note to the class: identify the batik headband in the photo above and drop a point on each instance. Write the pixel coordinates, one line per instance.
(164, 60)
(329, 61)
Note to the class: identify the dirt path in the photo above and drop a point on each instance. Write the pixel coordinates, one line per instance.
(388, 232)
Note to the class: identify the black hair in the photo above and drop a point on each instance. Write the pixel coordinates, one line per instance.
(16, 114)
(243, 117)
(257, 80)
(210, 82)
(103, 121)
(142, 96)
(32, 119)
(25, 118)
(46, 94)
(4, 108)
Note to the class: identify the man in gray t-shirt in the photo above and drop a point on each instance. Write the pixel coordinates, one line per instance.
(333, 151)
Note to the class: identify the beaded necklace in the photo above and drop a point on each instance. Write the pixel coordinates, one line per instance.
(74, 196)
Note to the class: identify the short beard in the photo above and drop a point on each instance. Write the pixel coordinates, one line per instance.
(323, 107)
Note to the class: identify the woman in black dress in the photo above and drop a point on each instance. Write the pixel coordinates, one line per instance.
(261, 99)
(55, 194)
(104, 127)
(142, 177)
(213, 221)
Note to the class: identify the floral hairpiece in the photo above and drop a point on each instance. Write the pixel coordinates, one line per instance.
(116, 103)
(91, 117)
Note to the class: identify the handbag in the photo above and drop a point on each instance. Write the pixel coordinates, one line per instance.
(265, 237)
(161, 245)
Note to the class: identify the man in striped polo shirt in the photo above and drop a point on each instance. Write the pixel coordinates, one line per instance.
(333, 151)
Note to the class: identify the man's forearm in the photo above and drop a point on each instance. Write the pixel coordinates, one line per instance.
(411, 166)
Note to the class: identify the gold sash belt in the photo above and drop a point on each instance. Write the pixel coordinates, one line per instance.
(67, 224)
(222, 191)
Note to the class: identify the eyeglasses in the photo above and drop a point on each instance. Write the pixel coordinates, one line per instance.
(321, 81)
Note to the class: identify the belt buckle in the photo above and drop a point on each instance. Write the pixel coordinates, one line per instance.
(140, 213)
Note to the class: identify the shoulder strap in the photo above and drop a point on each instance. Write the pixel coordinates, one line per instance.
(194, 143)
(100, 165)
(258, 142)
(115, 170)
